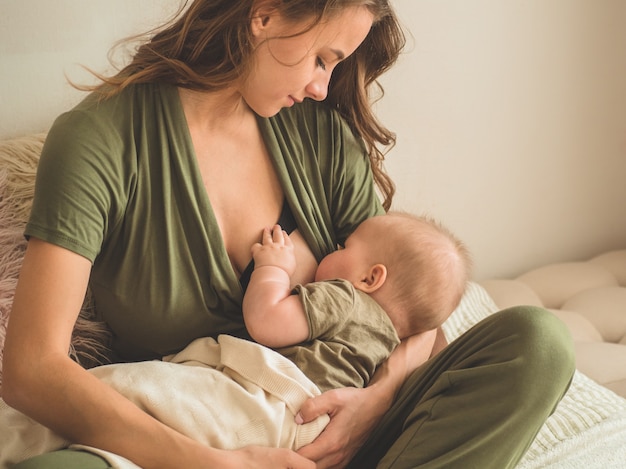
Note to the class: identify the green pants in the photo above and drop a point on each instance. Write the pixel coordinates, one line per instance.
(478, 404)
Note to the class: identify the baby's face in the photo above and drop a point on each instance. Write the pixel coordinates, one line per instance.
(350, 262)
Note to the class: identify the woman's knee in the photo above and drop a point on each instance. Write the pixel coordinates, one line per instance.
(544, 346)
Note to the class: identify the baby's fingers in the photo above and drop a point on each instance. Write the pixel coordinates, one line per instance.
(277, 235)
(267, 236)
(280, 237)
(287, 239)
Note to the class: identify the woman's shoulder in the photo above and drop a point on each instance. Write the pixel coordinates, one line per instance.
(312, 116)
(116, 111)
(113, 120)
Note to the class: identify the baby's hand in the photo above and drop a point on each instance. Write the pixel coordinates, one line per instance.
(276, 249)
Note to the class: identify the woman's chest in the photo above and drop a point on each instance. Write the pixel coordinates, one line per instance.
(242, 187)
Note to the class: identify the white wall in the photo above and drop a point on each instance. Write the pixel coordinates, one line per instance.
(511, 123)
(41, 41)
(511, 116)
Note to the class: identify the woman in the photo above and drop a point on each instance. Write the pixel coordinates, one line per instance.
(152, 191)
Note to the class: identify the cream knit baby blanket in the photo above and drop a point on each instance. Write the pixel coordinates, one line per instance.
(227, 393)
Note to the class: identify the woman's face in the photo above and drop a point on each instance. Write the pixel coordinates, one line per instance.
(288, 70)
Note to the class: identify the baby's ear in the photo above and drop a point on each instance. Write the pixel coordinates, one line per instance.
(372, 279)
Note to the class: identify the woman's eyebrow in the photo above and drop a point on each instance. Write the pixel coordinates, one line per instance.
(340, 55)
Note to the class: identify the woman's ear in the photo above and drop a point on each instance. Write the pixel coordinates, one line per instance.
(262, 13)
(373, 279)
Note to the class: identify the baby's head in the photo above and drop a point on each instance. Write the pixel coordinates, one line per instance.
(415, 268)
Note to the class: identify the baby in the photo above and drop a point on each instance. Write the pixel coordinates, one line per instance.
(397, 275)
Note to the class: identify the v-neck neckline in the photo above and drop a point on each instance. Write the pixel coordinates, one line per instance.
(209, 219)
(207, 213)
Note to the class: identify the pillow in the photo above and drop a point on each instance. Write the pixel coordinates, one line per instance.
(555, 283)
(614, 262)
(18, 167)
(605, 308)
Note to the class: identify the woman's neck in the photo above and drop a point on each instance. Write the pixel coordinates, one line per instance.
(213, 110)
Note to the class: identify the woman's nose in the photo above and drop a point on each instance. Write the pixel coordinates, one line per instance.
(317, 88)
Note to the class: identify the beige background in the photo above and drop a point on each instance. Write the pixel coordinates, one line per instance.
(511, 116)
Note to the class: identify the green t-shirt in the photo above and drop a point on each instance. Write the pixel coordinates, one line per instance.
(349, 335)
(118, 183)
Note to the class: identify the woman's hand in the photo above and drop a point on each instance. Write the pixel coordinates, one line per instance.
(353, 412)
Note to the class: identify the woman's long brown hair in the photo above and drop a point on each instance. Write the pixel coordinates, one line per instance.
(207, 47)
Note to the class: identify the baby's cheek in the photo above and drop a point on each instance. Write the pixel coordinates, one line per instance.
(306, 264)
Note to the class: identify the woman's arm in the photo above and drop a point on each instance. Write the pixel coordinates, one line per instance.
(273, 315)
(404, 360)
(40, 379)
(355, 412)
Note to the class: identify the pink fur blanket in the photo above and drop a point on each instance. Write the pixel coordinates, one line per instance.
(18, 166)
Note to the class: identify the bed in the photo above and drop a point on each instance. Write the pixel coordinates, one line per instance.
(587, 431)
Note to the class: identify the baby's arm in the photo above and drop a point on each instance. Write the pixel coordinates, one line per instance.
(273, 315)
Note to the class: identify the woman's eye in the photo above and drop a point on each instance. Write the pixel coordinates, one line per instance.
(321, 64)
